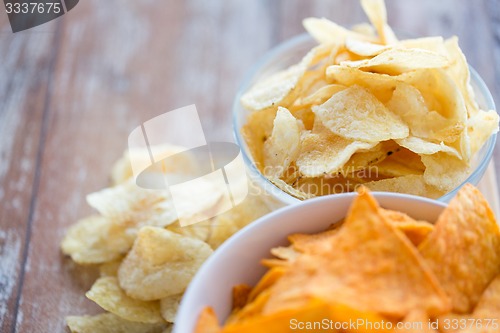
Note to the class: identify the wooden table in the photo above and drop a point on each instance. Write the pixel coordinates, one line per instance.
(72, 90)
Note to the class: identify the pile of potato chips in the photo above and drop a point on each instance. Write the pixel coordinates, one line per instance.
(380, 266)
(363, 107)
(146, 259)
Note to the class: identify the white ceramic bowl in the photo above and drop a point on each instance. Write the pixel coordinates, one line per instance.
(238, 259)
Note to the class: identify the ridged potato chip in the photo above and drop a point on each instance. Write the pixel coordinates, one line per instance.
(354, 113)
(396, 61)
(283, 146)
(169, 306)
(106, 292)
(161, 264)
(110, 323)
(463, 250)
(323, 152)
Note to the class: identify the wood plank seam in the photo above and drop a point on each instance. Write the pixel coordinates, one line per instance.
(36, 180)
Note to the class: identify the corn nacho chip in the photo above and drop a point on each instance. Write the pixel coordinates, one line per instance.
(337, 274)
(207, 322)
(107, 293)
(110, 323)
(488, 305)
(161, 264)
(465, 237)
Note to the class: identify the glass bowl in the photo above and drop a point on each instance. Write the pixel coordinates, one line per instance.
(290, 52)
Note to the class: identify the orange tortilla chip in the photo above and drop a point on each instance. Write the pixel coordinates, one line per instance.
(489, 303)
(207, 322)
(368, 261)
(240, 295)
(464, 248)
(415, 231)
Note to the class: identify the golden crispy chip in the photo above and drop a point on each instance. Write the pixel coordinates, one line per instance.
(365, 49)
(130, 205)
(258, 128)
(110, 268)
(480, 127)
(107, 294)
(178, 163)
(443, 171)
(283, 146)
(488, 305)
(338, 273)
(365, 159)
(364, 29)
(294, 192)
(415, 231)
(323, 152)
(380, 85)
(285, 252)
(225, 225)
(377, 13)
(356, 114)
(459, 71)
(396, 61)
(110, 323)
(433, 44)
(424, 147)
(325, 31)
(411, 184)
(240, 296)
(408, 103)
(321, 95)
(401, 162)
(207, 322)
(169, 306)
(161, 264)
(95, 240)
(465, 238)
(279, 89)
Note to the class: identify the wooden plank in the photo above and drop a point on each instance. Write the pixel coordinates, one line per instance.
(121, 63)
(24, 73)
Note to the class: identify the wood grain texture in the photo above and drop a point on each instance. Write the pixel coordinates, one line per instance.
(83, 82)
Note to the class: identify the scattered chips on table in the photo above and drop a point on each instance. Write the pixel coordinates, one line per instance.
(356, 90)
(146, 259)
(380, 265)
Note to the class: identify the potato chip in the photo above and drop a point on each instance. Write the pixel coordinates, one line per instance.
(364, 29)
(323, 152)
(278, 89)
(283, 146)
(488, 305)
(107, 294)
(443, 171)
(325, 31)
(339, 273)
(161, 264)
(130, 205)
(377, 13)
(169, 306)
(207, 322)
(480, 127)
(402, 162)
(365, 159)
(433, 44)
(408, 103)
(411, 184)
(226, 224)
(321, 95)
(465, 238)
(294, 192)
(110, 323)
(396, 61)
(110, 268)
(424, 147)
(356, 114)
(364, 49)
(95, 240)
